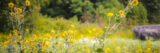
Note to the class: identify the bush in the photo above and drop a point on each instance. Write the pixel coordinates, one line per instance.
(39, 23)
(139, 12)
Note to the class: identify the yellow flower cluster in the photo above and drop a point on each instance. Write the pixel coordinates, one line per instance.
(17, 12)
(61, 39)
(45, 45)
(121, 13)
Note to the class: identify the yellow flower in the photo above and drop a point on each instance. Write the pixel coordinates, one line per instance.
(35, 50)
(43, 48)
(27, 30)
(47, 44)
(24, 47)
(11, 13)
(139, 50)
(10, 36)
(19, 10)
(135, 3)
(52, 31)
(48, 35)
(110, 14)
(21, 16)
(139, 46)
(121, 13)
(72, 50)
(149, 44)
(107, 49)
(117, 49)
(148, 50)
(60, 44)
(15, 42)
(16, 32)
(146, 37)
(27, 3)
(72, 26)
(61, 50)
(15, 8)
(6, 43)
(71, 40)
(27, 41)
(11, 4)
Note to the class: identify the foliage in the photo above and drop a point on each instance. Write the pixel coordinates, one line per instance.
(69, 8)
(153, 8)
(139, 12)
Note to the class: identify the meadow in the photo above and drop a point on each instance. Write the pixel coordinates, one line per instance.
(59, 35)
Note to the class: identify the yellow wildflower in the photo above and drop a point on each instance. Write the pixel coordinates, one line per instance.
(10, 36)
(135, 3)
(139, 50)
(72, 50)
(11, 4)
(21, 16)
(27, 30)
(138, 46)
(6, 43)
(105, 27)
(149, 44)
(27, 41)
(72, 26)
(11, 13)
(15, 42)
(47, 44)
(71, 40)
(35, 50)
(52, 31)
(15, 32)
(110, 14)
(15, 8)
(24, 47)
(61, 50)
(146, 37)
(107, 49)
(148, 50)
(121, 13)
(48, 35)
(117, 49)
(19, 10)
(43, 48)
(27, 3)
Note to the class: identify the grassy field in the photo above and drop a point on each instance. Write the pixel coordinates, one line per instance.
(101, 32)
(76, 38)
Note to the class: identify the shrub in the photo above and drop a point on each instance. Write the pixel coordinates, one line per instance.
(139, 12)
